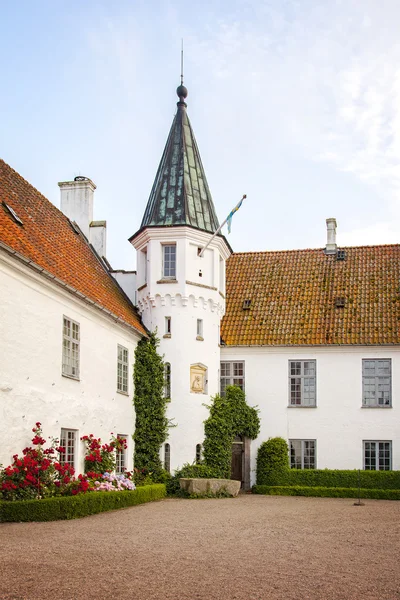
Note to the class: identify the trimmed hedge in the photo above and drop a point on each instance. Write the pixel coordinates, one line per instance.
(74, 507)
(327, 492)
(331, 478)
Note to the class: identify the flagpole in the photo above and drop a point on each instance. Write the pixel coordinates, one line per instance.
(218, 230)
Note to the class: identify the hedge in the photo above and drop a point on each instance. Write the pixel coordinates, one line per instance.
(74, 507)
(327, 492)
(330, 478)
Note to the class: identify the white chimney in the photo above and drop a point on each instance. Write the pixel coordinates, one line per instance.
(331, 247)
(97, 236)
(77, 201)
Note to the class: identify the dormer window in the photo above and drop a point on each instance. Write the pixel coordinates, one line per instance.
(169, 261)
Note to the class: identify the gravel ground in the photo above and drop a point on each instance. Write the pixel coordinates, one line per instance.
(248, 548)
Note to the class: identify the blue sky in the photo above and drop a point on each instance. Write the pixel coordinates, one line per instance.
(294, 102)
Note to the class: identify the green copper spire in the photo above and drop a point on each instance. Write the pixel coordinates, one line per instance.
(180, 194)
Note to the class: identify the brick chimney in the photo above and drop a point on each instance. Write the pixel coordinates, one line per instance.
(331, 246)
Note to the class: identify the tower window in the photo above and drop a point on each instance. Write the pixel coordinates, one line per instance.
(198, 453)
(200, 329)
(167, 380)
(169, 261)
(167, 457)
(168, 326)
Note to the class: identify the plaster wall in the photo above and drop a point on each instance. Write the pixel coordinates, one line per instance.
(127, 281)
(339, 424)
(32, 387)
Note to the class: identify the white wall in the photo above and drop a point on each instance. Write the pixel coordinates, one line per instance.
(32, 387)
(339, 424)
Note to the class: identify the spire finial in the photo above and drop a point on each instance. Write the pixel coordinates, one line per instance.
(181, 90)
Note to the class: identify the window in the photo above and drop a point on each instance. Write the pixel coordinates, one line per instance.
(198, 453)
(120, 457)
(68, 442)
(70, 358)
(167, 325)
(302, 454)
(122, 370)
(169, 261)
(167, 380)
(200, 329)
(232, 373)
(377, 382)
(144, 262)
(377, 456)
(167, 457)
(302, 383)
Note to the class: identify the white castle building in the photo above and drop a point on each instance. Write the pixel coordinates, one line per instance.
(312, 336)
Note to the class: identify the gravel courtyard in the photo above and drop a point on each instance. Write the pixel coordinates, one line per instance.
(248, 548)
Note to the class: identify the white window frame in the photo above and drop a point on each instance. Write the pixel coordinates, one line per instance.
(305, 454)
(380, 462)
(232, 375)
(69, 441)
(121, 457)
(303, 383)
(373, 394)
(167, 380)
(70, 348)
(122, 370)
(168, 261)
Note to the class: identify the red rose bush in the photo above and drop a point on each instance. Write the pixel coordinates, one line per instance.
(42, 472)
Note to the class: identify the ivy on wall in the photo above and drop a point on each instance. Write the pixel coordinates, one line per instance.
(229, 416)
(151, 425)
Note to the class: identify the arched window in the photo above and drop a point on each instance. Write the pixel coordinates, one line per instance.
(167, 380)
(198, 453)
(167, 457)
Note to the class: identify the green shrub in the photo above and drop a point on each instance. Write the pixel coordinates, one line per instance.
(229, 416)
(272, 462)
(200, 471)
(74, 507)
(151, 426)
(327, 492)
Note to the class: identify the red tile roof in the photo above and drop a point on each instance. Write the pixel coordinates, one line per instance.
(47, 239)
(293, 296)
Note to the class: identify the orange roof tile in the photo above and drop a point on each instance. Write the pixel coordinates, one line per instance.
(48, 240)
(293, 297)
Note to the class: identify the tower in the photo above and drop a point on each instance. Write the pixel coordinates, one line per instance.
(179, 293)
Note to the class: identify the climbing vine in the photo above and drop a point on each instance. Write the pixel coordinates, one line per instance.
(229, 416)
(151, 426)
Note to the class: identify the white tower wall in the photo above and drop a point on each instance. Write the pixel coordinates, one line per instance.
(196, 293)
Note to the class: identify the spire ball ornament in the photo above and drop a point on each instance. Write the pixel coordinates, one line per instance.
(182, 92)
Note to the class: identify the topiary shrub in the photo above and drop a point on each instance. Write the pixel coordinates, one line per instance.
(229, 416)
(272, 462)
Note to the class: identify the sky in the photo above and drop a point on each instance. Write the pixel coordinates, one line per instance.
(295, 103)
